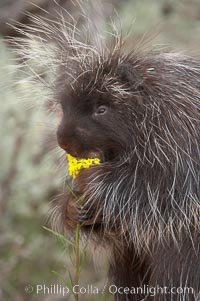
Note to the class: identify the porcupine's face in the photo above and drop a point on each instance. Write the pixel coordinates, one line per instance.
(93, 125)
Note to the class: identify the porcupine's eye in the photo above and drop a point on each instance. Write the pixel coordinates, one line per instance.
(101, 110)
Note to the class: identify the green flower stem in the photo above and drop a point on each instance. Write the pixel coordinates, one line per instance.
(76, 278)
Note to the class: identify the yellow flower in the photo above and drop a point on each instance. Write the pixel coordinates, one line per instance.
(76, 165)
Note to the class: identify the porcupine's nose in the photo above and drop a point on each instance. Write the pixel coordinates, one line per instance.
(65, 135)
(68, 137)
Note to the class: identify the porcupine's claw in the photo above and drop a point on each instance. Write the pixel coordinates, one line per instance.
(87, 217)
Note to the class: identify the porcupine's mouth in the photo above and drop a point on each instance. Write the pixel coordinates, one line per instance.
(75, 165)
(104, 157)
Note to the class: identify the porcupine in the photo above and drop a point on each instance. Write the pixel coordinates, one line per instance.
(139, 113)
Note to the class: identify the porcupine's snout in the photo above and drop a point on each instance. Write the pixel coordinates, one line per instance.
(68, 139)
(66, 135)
(72, 138)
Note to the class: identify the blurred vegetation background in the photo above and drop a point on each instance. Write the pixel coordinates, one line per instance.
(30, 167)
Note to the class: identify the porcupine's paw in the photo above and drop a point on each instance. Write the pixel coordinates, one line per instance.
(73, 212)
(69, 211)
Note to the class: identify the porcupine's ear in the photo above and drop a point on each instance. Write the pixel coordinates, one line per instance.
(130, 76)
